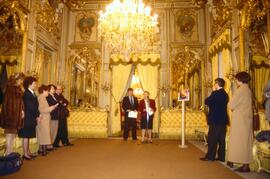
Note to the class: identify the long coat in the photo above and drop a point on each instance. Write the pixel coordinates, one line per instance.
(217, 103)
(31, 113)
(43, 127)
(241, 133)
(11, 118)
(267, 100)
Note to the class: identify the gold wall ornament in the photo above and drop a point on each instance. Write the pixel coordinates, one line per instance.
(11, 29)
(165, 89)
(252, 10)
(221, 13)
(128, 27)
(85, 23)
(200, 3)
(106, 87)
(75, 3)
(208, 83)
(48, 17)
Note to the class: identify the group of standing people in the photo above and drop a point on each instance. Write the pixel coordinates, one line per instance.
(28, 115)
(144, 109)
(241, 124)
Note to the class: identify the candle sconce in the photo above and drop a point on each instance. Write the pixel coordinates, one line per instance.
(106, 87)
(230, 75)
(208, 83)
(165, 89)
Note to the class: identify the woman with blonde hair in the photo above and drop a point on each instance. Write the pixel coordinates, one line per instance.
(147, 107)
(12, 110)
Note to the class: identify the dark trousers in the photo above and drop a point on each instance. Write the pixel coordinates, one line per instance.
(216, 137)
(130, 123)
(62, 133)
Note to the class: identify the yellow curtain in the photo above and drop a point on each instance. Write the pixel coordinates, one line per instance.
(226, 65)
(148, 75)
(214, 67)
(120, 76)
(261, 77)
(196, 91)
(191, 89)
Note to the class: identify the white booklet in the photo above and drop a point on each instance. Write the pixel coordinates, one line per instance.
(132, 114)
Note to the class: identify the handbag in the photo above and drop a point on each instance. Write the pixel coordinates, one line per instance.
(10, 163)
(256, 117)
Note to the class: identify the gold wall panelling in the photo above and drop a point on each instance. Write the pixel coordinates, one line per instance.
(80, 45)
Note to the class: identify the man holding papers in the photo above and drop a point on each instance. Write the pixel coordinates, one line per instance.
(147, 107)
(130, 106)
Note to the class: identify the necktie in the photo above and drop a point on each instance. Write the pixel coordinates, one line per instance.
(131, 101)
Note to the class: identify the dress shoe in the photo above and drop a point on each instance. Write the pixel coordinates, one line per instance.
(69, 144)
(229, 164)
(221, 160)
(242, 169)
(39, 152)
(33, 156)
(56, 146)
(27, 158)
(50, 149)
(206, 159)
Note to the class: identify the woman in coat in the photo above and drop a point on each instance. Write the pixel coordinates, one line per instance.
(147, 107)
(241, 132)
(31, 115)
(12, 110)
(54, 119)
(43, 125)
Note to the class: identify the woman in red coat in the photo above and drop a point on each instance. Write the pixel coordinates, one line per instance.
(147, 107)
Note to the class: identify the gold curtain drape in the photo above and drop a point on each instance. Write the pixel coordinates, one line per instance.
(148, 75)
(196, 91)
(120, 77)
(214, 67)
(261, 77)
(227, 66)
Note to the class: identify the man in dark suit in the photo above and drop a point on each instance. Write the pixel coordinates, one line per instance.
(217, 121)
(130, 103)
(63, 113)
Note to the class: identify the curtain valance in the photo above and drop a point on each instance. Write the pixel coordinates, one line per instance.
(8, 60)
(223, 41)
(144, 59)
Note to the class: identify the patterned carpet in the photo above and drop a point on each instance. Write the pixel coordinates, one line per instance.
(117, 159)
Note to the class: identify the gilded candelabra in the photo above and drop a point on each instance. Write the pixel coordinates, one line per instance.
(106, 87)
(208, 83)
(165, 89)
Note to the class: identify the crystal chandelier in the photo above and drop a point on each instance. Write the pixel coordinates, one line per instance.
(128, 27)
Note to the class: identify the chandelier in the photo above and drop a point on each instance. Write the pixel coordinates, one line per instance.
(128, 27)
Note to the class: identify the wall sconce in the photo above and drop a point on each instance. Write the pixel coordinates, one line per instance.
(165, 89)
(230, 75)
(106, 87)
(208, 83)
